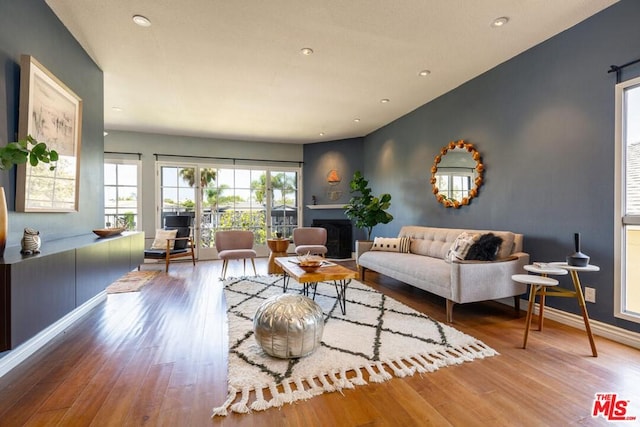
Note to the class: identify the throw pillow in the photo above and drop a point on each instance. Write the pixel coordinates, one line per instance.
(485, 249)
(160, 241)
(391, 244)
(460, 247)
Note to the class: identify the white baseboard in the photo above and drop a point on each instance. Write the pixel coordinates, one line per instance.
(601, 329)
(16, 356)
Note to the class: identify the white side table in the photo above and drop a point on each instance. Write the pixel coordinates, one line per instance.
(573, 271)
(544, 272)
(539, 286)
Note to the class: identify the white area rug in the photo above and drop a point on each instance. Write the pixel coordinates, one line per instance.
(377, 338)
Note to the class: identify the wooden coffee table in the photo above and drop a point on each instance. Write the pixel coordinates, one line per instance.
(341, 277)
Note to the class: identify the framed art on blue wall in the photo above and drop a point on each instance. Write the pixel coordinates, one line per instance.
(51, 113)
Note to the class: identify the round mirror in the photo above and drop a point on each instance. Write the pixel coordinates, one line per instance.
(456, 174)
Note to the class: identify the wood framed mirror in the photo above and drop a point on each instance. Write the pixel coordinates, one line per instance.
(456, 174)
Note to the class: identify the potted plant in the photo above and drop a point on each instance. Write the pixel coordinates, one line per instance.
(16, 153)
(366, 210)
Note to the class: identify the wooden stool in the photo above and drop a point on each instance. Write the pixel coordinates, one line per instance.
(539, 286)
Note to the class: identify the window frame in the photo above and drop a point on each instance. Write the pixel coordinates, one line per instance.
(138, 164)
(621, 219)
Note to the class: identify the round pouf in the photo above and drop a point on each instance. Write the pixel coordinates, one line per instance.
(288, 326)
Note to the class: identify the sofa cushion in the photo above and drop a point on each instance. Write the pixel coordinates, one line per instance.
(461, 246)
(485, 248)
(391, 244)
(427, 273)
(430, 241)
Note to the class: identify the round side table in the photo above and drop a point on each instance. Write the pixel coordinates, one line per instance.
(539, 286)
(544, 272)
(577, 294)
(278, 248)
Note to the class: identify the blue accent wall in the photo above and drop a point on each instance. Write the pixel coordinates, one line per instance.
(30, 27)
(544, 124)
(345, 156)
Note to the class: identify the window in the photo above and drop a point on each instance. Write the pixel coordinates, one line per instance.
(121, 201)
(627, 233)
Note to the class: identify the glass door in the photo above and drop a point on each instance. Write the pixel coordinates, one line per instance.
(177, 193)
(231, 197)
(240, 204)
(283, 202)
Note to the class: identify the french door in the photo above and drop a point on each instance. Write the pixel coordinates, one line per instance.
(222, 197)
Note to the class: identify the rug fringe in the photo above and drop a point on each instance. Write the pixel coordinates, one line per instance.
(222, 410)
(296, 390)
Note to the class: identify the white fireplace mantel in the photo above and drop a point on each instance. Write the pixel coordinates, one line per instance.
(328, 206)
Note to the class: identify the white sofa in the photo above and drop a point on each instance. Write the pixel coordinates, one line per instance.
(459, 281)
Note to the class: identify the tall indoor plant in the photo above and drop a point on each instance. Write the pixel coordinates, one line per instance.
(366, 210)
(16, 153)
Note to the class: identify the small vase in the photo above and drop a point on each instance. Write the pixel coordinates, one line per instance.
(4, 221)
(577, 259)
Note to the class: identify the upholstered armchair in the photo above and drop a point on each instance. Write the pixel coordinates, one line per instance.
(173, 241)
(310, 240)
(235, 244)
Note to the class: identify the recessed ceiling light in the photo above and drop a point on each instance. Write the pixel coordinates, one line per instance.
(306, 51)
(321, 134)
(499, 22)
(356, 120)
(105, 133)
(117, 109)
(384, 100)
(141, 21)
(424, 73)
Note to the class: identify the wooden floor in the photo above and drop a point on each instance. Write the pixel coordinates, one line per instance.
(158, 357)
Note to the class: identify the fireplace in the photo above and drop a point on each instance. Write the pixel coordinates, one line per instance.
(338, 237)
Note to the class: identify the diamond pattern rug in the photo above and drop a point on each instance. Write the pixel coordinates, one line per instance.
(376, 339)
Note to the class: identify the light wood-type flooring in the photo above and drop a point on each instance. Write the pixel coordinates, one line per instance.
(158, 358)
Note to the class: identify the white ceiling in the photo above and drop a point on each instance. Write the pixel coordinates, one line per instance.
(233, 68)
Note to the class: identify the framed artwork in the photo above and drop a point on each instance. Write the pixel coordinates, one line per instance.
(50, 112)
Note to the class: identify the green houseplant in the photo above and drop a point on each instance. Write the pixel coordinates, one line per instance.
(16, 153)
(366, 210)
(27, 149)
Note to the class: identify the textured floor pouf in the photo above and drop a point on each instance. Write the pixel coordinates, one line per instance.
(288, 326)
